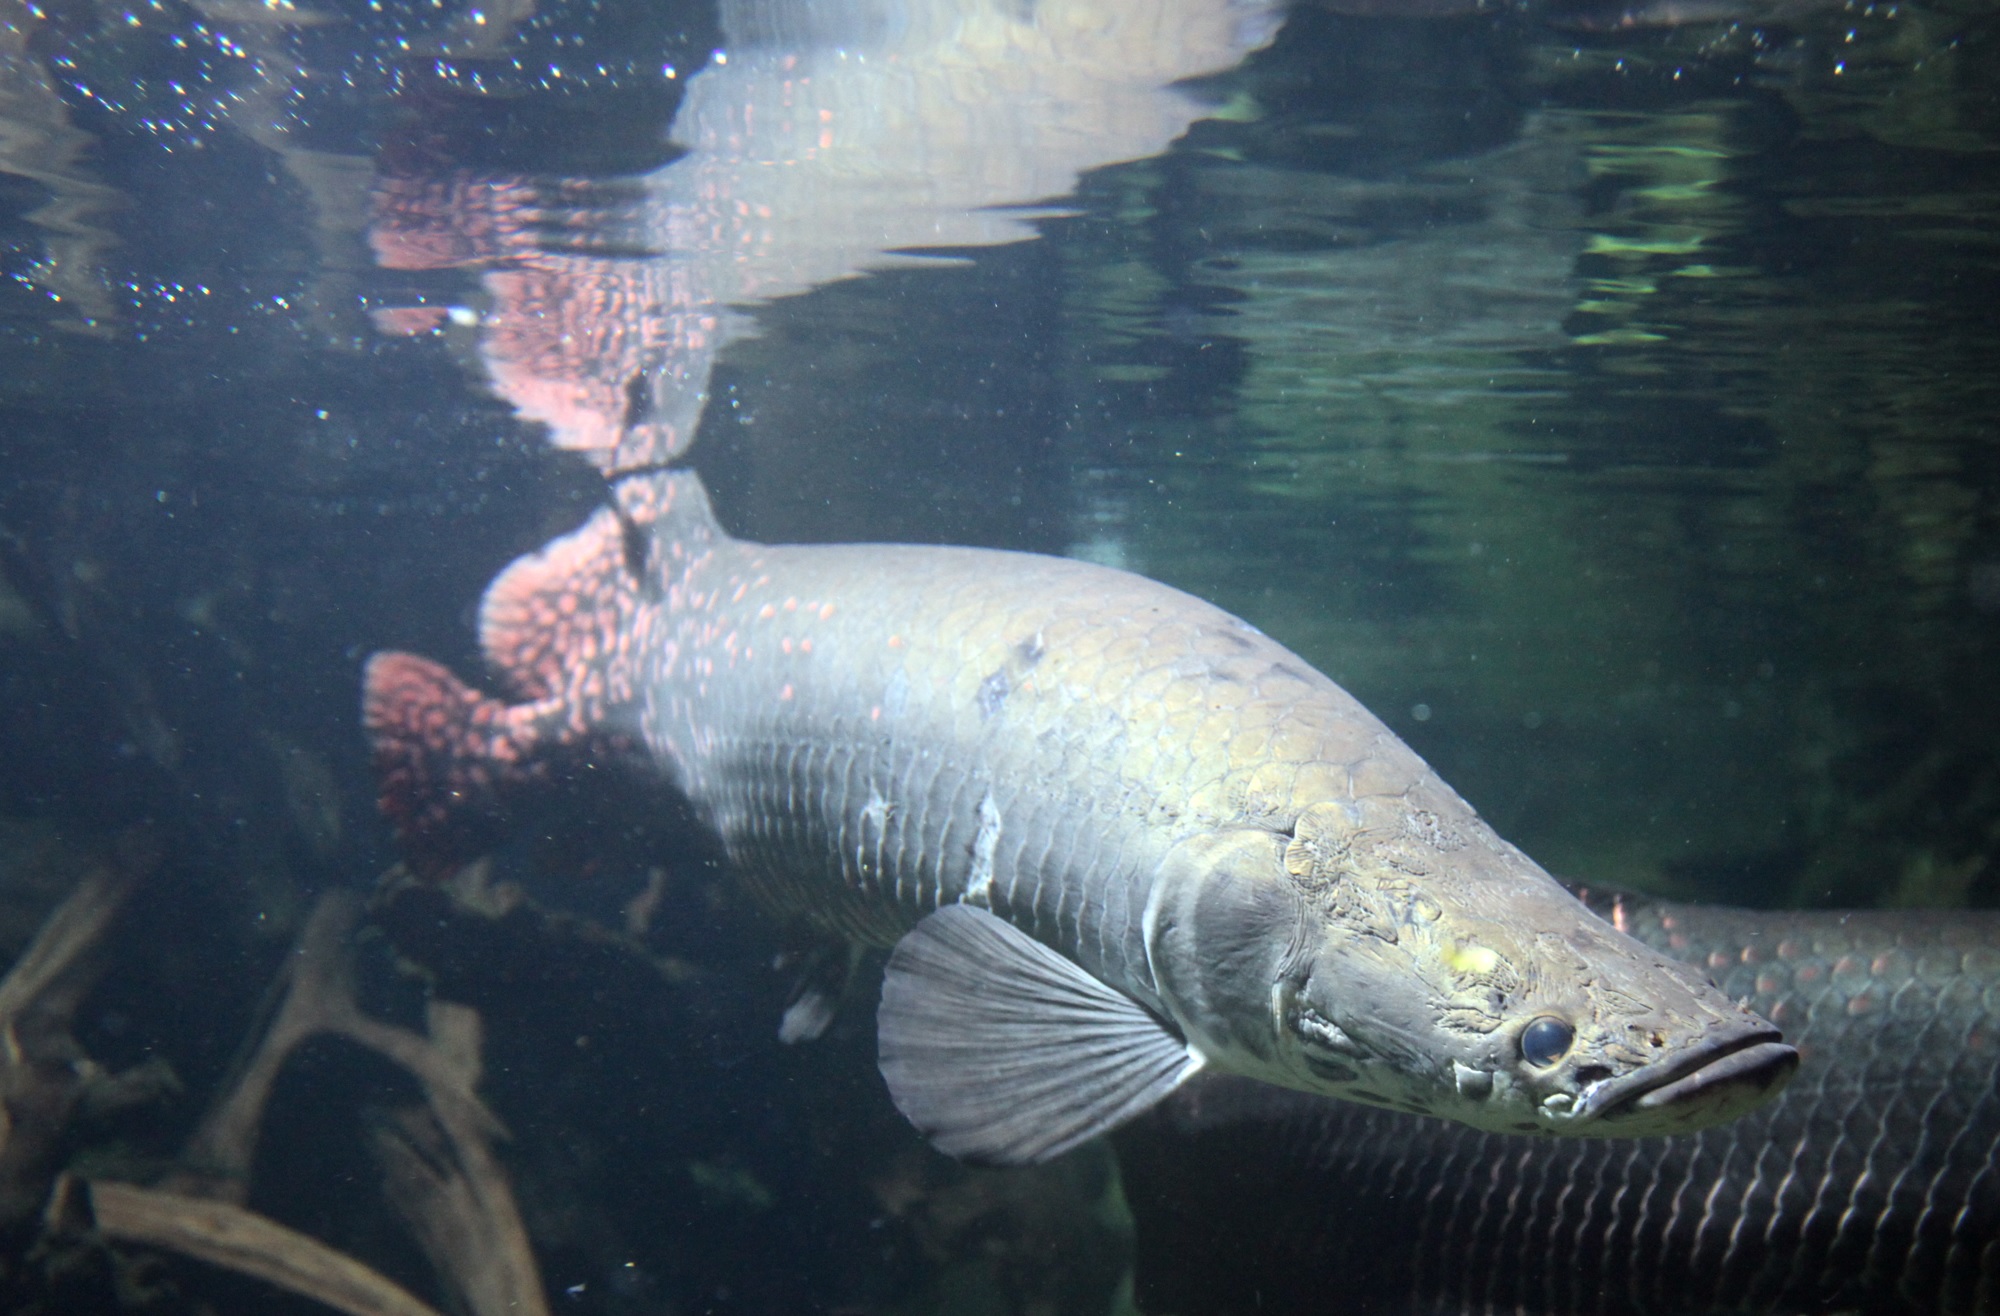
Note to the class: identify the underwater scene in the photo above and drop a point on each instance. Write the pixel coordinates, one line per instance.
(870, 656)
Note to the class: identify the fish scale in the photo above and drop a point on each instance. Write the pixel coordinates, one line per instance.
(1062, 724)
(1871, 1184)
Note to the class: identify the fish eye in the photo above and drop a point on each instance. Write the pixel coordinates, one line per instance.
(1546, 1041)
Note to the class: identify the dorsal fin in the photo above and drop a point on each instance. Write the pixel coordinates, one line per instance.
(669, 505)
(552, 606)
(556, 623)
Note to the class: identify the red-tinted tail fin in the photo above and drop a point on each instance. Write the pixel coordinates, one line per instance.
(571, 632)
(449, 757)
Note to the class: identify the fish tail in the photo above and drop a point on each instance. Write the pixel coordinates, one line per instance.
(563, 630)
(447, 756)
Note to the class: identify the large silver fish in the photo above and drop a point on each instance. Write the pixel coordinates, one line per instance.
(1871, 1185)
(1114, 834)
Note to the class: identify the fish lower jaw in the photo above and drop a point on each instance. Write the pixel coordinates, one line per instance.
(1710, 1085)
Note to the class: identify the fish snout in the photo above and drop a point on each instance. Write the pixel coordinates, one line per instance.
(1727, 1073)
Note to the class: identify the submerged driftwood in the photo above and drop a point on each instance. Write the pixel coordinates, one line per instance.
(44, 1074)
(318, 1000)
(226, 1235)
(439, 1168)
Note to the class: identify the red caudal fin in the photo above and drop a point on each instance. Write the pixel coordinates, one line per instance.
(568, 631)
(558, 627)
(447, 756)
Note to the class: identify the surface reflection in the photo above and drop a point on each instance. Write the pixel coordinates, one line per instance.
(823, 141)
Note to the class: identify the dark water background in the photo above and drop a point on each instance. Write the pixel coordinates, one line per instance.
(1615, 408)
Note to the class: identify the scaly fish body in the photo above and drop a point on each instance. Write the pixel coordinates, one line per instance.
(1234, 863)
(1871, 1184)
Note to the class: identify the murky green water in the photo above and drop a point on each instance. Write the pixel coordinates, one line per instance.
(1650, 450)
(1614, 413)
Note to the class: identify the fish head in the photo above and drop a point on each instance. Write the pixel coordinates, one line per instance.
(1462, 982)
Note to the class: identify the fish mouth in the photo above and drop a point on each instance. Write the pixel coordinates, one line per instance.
(1709, 1083)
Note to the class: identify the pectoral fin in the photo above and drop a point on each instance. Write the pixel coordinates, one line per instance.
(1001, 1050)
